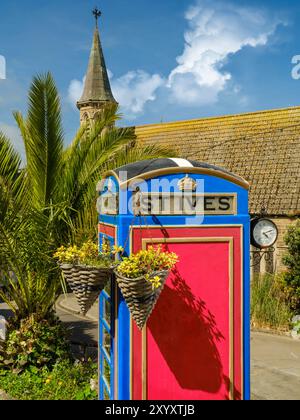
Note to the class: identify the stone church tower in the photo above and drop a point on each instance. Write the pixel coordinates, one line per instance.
(97, 91)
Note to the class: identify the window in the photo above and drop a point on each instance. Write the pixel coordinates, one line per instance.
(85, 117)
(106, 351)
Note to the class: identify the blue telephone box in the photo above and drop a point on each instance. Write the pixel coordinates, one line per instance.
(196, 344)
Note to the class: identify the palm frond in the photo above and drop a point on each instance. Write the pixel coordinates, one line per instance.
(10, 160)
(86, 207)
(29, 293)
(43, 137)
(52, 201)
(13, 197)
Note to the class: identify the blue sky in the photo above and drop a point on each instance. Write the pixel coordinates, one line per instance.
(168, 59)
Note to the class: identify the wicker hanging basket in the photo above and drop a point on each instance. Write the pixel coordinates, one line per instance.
(86, 283)
(140, 296)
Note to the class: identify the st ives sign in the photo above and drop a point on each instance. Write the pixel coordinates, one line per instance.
(186, 204)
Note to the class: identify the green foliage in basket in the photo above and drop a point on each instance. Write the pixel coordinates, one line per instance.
(145, 263)
(87, 254)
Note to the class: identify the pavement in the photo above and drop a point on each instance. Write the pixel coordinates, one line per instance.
(84, 329)
(275, 370)
(275, 360)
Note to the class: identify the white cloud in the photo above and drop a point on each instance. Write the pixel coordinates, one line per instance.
(110, 74)
(216, 31)
(13, 133)
(135, 89)
(2, 68)
(75, 91)
(132, 91)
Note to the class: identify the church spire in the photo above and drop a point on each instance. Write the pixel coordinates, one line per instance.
(97, 91)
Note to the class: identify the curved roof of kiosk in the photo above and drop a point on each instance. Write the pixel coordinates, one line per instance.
(153, 168)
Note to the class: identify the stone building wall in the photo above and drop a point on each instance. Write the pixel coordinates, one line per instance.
(273, 263)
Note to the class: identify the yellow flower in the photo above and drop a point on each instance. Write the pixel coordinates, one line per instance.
(117, 249)
(106, 250)
(156, 283)
(47, 382)
(145, 262)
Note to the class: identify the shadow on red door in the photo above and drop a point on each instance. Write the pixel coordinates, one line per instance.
(188, 340)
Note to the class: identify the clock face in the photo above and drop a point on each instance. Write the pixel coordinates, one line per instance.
(264, 233)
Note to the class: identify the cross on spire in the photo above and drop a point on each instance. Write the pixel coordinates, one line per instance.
(97, 13)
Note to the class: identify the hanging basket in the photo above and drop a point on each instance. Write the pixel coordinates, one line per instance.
(140, 296)
(86, 283)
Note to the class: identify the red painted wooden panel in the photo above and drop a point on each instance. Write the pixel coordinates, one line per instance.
(188, 335)
(107, 230)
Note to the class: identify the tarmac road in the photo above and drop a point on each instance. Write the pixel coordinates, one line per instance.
(275, 372)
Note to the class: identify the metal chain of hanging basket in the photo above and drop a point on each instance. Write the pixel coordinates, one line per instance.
(86, 283)
(140, 296)
(139, 293)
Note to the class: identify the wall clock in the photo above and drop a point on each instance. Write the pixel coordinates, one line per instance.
(264, 233)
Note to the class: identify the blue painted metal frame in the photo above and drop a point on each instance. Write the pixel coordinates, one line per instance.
(104, 387)
(103, 355)
(124, 222)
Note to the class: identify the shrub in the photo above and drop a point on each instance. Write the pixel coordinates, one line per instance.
(292, 261)
(268, 303)
(296, 326)
(27, 292)
(66, 381)
(36, 343)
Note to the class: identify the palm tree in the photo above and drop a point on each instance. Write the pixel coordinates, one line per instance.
(50, 200)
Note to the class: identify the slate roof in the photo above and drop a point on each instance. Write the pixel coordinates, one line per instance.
(261, 147)
(97, 86)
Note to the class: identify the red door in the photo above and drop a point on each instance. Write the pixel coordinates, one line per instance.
(191, 347)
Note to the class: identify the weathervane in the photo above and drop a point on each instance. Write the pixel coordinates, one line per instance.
(97, 13)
